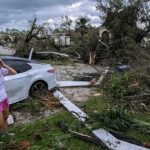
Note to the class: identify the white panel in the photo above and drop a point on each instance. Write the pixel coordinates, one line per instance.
(78, 113)
(73, 83)
(113, 143)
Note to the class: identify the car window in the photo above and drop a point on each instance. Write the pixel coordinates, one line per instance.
(19, 65)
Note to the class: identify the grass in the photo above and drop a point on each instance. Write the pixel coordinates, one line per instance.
(45, 134)
(101, 103)
(30, 105)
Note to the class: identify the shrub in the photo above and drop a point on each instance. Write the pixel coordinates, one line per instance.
(119, 85)
(21, 49)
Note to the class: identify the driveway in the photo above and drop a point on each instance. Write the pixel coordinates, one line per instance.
(76, 94)
(67, 73)
(6, 51)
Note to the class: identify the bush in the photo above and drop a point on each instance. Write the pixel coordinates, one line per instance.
(119, 85)
(21, 49)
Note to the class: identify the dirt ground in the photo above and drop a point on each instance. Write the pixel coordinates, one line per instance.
(64, 73)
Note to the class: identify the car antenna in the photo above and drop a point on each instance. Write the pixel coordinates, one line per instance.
(30, 55)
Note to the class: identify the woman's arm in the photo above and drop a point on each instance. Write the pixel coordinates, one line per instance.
(11, 71)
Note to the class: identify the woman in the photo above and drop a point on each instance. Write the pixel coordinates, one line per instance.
(4, 104)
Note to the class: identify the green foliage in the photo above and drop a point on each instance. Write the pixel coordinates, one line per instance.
(119, 85)
(82, 25)
(114, 118)
(44, 134)
(21, 48)
(88, 43)
(117, 119)
(105, 113)
(122, 18)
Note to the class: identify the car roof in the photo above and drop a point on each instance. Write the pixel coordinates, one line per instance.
(17, 58)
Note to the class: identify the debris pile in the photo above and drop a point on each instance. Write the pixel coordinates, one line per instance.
(49, 100)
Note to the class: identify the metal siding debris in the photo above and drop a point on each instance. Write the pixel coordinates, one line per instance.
(72, 84)
(113, 143)
(30, 55)
(55, 53)
(78, 113)
(104, 136)
(101, 78)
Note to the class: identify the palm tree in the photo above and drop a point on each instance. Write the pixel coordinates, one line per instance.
(82, 25)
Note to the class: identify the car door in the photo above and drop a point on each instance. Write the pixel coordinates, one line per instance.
(17, 85)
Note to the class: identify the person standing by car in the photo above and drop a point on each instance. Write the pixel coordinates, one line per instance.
(4, 103)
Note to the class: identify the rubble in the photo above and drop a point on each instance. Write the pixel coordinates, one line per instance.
(103, 135)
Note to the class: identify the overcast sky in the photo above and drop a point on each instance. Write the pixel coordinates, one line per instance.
(16, 13)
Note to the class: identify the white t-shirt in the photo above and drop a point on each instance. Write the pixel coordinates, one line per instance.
(3, 72)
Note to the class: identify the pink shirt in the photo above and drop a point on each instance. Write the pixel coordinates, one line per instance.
(3, 72)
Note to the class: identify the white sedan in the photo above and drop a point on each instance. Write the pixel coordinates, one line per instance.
(31, 76)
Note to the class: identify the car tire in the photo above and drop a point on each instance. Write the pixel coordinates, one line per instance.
(38, 88)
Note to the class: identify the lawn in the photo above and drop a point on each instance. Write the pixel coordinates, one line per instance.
(102, 103)
(45, 134)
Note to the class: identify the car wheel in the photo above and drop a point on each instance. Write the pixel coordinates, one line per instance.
(38, 89)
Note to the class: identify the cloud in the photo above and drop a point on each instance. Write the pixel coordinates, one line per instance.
(16, 13)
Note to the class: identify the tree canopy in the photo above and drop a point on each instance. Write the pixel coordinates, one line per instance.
(82, 25)
(126, 18)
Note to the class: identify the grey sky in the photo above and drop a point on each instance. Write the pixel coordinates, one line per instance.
(16, 13)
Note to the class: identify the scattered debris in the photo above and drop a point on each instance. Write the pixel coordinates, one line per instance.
(10, 120)
(113, 143)
(78, 113)
(93, 82)
(138, 102)
(11, 145)
(24, 145)
(123, 68)
(147, 145)
(73, 84)
(54, 53)
(104, 136)
(51, 103)
(101, 78)
(82, 77)
(116, 119)
(97, 94)
(82, 136)
(49, 100)
(30, 55)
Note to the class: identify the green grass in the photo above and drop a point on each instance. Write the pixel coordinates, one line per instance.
(45, 135)
(99, 104)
